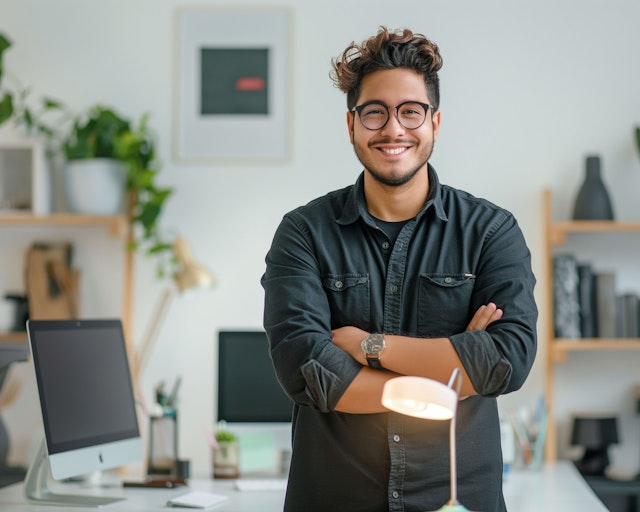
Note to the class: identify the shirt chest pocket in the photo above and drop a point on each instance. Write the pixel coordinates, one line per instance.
(443, 303)
(348, 297)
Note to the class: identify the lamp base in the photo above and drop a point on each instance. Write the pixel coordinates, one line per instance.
(455, 507)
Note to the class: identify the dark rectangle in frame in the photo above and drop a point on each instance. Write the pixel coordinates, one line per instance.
(234, 81)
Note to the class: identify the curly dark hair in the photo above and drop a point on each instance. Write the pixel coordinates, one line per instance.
(387, 50)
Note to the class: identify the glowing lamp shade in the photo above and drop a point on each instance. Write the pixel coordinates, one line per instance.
(420, 398)
(429, 399)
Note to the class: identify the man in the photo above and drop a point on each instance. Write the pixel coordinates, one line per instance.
(396, 275)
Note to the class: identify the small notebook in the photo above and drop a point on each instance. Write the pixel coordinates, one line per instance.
(198, 499)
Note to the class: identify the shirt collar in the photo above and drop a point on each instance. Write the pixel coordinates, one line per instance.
(356, 205)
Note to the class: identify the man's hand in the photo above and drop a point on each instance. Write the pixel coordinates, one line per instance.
(484, 316)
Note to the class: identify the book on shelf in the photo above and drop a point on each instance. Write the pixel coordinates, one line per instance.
(587, 300)
(605, 284)
(566, 305)
(627, 316)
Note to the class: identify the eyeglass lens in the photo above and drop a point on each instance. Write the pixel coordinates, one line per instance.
(375, 115)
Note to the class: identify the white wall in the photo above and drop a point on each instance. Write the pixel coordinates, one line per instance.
(528, 89)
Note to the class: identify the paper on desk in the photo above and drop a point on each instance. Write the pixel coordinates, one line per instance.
(197, 499)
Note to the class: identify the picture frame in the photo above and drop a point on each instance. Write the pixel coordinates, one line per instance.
(232, 90)
(25, 186)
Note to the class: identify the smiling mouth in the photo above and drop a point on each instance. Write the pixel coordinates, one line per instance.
(393, 151)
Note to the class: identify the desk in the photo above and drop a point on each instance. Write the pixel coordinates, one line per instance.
(555, 488)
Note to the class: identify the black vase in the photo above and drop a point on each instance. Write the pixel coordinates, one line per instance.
(593, 202)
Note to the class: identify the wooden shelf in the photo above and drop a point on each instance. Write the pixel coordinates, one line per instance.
(560, 348)
(558, 231)
(13, 337)
(115, 224)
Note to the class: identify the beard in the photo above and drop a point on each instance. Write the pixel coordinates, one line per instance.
(396, 178)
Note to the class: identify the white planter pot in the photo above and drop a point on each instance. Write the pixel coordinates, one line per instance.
(96, 186)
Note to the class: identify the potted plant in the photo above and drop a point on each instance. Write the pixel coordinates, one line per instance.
(100, 133)
(104, 136)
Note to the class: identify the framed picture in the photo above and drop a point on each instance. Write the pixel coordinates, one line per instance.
(232, 100)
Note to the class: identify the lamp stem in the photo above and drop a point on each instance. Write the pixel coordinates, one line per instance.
(455, 379)
(452, 461)
(152, 332)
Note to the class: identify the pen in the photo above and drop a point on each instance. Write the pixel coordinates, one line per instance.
(174, 392)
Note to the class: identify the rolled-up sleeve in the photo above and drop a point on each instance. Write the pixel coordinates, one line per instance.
(310, 368)
(499, 359)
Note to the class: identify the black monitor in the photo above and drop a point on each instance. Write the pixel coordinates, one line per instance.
(87, 404)
(248, 390)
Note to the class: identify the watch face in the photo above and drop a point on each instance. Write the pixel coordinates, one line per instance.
(373, 344)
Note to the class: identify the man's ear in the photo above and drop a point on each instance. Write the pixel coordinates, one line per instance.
(435, 123)
(351, 116)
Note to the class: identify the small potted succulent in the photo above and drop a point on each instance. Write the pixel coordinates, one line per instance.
(226, 453)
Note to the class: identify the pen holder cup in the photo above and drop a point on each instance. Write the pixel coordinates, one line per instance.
(163, 444)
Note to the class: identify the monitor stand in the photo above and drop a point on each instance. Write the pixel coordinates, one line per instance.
(36, 487)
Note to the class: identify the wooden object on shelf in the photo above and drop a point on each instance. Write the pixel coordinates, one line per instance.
(116, 225)
(558, 349)
(51, 282)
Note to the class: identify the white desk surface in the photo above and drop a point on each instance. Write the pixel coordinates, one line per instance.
(555, 488)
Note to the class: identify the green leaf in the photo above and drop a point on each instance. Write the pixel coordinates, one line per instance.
(4, 45)
(638, 138)
(6, 108)
(51, 104)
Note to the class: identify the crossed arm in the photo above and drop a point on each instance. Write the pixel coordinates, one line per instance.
(434, 358)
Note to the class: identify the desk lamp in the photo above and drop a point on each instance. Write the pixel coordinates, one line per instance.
(429, 399)
(596, 434)
(189, 274)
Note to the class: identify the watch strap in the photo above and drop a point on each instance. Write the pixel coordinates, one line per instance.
(374, 362)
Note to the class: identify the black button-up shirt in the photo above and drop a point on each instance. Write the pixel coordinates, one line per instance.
(331, 265)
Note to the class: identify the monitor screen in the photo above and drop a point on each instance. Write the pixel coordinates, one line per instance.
(248, 390)
(86, 395)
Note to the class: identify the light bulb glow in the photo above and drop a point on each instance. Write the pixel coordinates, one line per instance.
(420, 398)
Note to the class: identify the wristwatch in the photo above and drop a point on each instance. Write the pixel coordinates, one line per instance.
(372, 346)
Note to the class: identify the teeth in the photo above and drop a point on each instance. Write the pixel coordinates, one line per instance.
(395, 151)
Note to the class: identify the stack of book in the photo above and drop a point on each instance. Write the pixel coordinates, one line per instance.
(587, 304)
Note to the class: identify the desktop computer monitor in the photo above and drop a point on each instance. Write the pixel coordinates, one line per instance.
(249, 396)
(87, 404)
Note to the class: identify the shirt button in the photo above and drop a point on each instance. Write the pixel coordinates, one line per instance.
(395, 494)
(339, 284)
(394, 288)
(396, 438)
(385, 245)
(448, 280)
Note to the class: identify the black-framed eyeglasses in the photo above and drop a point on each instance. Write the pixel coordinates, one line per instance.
(374, 115)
